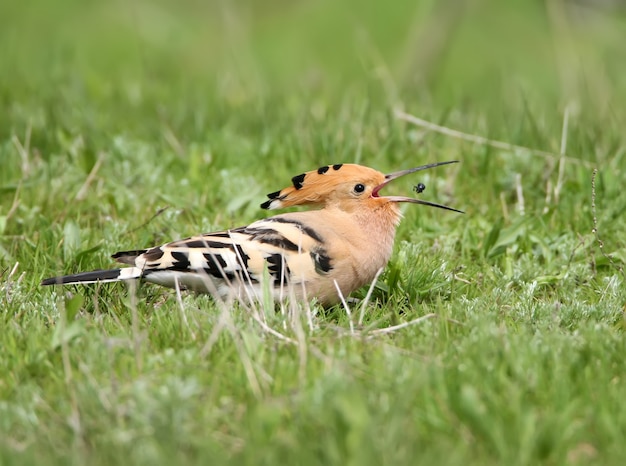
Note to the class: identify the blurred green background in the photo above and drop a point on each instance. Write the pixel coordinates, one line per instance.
(191, 63)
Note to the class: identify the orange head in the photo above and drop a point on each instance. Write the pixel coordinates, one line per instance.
(347, 186)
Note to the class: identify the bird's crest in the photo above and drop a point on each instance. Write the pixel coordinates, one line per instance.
(315, 186)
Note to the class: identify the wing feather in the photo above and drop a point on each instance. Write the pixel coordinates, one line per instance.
(284, 247)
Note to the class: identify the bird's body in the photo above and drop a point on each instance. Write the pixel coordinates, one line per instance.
(302, 255)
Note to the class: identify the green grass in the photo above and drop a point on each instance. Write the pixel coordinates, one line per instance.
(112, 112)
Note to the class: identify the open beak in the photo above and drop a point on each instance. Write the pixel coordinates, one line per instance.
(392, 176)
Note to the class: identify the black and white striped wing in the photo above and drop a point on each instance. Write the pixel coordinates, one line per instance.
(234, 262)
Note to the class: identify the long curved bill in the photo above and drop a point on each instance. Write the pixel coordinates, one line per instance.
(392, 176)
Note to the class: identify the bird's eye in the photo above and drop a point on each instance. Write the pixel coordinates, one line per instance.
(359, 188)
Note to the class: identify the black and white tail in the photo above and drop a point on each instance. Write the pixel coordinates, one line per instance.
(96, 276)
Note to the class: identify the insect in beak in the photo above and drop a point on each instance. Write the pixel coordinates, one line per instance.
(419, 188)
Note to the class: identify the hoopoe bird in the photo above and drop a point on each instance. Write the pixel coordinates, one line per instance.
(324, 254)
